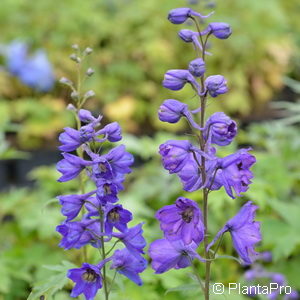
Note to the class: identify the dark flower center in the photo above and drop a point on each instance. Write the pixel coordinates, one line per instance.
(107, 189)
(187, 215)
(89, 275)
(102, 167)
(114, 215)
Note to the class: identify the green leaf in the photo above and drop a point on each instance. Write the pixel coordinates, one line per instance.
(185, 288)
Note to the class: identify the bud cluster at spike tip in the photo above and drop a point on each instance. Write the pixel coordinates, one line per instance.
(182, 223)
(94, 217)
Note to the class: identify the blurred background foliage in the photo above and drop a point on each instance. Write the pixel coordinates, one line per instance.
(133, 46)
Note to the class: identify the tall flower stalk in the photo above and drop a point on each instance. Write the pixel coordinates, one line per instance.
(185, 226)
(93, 217)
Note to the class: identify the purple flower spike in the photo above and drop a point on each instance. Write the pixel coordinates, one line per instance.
(70, 166)
(112, 132)
(175, 154)
(129, 265)
(197, 67)
(88, 281)
(219, 30)
(180, 15)
(132, 239)
(172, 110)
(182, 221)
(116, 216)
(166, 255)
(220, 129)
(245, 233)
(216, 85)
(72, 204)
(176, 79)
(235, 172)
(71, 138)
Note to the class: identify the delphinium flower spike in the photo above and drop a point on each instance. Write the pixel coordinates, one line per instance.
(93, 217)
(184, 224)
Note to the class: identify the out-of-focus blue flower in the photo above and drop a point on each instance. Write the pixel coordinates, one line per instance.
(33, 70)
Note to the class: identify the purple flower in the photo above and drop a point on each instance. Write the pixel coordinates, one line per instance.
(180, 15)
(175, 154)
(197, 67)
(132, 239)
(77, 234)
(70, 166)
(37, 72)
(88, 281)
(172, 110)
(16, 57)
(87, 117)
(219, 30)
(245, 233)
(182, 221)
(235, 172)
(176, 79)
(72, 204)
(129, 265)
(166, 255)
(119, 160)
(294, 295)
(71, 138)
(116, 216)
(216, 85)
(112, 132)
(220, 129)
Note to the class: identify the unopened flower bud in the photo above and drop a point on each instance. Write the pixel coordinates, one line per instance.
(74, 95)
(75, 47)
(89, 94)
(176, 79)
(172, 110)
(197, 67)
(216, 85)
(66, 81)
(219, 30)
(180, 15)
(88, 50)
(75, 58)
(89, 72)
(71, 107)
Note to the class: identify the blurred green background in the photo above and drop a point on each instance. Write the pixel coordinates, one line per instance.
(134, 45)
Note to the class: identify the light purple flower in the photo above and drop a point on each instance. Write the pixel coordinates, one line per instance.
(166, 255)
(197, 67)
(112, 132)
(220, 129)
(219, 29)
(87, 117)
(182, 221)
(216, 85)
(176, 79)
(245, 233)
(129, 265)
(180, 15)
(172, 110)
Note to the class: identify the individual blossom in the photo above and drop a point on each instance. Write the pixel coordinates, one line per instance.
(87, 117)
(72, 204)
(172, 111)
(219, 29)
(78, 234)
(235, 173)
(116, 217)
(107, 190)
(166, 255)
(129, 265)
(175, 154)
(71, 138)
(112, 132)
(88, 280)
(220, 129)
(180, 15)
(176, 79)
(245, 233)
(71, 166)
(197, 67)
(216, 85)
(182, 221)
(132, 239)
